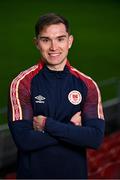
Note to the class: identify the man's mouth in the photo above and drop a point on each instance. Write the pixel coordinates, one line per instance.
(54, 54)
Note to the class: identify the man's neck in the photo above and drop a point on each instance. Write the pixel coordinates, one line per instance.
(59, 67)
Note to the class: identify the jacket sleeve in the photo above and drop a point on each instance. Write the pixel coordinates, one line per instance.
(88, 135)
(26, 139)
(20, 119)
(91, 133)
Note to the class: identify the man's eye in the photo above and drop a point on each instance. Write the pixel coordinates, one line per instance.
(45, 40)
(60, 39)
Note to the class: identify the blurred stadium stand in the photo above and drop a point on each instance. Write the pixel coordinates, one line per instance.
(105, 162)
(102, 164)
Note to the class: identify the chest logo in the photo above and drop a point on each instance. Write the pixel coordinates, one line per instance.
(75, 97)
(39, 99)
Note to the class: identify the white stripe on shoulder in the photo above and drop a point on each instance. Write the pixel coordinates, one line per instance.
(16, 107)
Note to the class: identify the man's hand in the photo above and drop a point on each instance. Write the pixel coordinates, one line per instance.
(76, 119)
(39, 122)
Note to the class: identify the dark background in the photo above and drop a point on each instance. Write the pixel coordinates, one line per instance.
(95, 26)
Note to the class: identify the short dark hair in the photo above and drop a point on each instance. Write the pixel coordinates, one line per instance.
(49, 19)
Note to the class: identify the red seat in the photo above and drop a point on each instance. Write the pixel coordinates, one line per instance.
(105, 162)
(112, 170)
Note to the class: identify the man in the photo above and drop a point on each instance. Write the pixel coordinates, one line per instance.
(55, 111)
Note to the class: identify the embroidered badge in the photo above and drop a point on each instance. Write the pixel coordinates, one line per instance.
(75, 97)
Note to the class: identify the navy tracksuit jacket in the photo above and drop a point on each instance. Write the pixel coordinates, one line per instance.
(60, 151)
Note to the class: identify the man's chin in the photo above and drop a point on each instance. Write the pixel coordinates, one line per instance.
(54, 63)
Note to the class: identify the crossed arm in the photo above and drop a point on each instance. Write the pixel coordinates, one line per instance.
(39, 121)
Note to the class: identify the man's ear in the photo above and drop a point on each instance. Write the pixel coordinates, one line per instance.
(70, 40)
(35, 41)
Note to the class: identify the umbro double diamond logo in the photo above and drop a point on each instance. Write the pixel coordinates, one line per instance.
(39, 99)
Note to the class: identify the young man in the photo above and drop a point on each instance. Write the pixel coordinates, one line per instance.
(55, 111)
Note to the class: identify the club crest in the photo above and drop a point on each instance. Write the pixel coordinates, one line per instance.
(75, 97)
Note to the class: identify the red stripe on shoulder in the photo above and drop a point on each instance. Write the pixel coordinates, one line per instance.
(91, 84)
(79, 74)
(25, 78)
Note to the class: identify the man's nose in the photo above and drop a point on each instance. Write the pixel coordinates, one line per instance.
(53, 46)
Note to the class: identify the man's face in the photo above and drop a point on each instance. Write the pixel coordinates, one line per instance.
(53, 43)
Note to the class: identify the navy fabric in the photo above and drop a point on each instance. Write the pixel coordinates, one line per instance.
(59, 151)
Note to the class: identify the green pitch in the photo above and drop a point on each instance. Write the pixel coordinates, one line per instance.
(94, 24)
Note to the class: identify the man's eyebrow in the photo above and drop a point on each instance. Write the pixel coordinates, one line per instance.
(43, 37)
(46, 37)
(62, 36)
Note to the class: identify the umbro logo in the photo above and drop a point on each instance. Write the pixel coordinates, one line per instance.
(39, 99)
